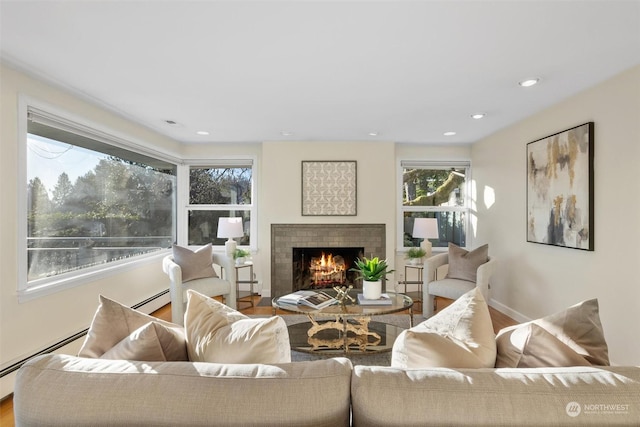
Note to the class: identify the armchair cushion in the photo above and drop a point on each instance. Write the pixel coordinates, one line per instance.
(114, 322)
(194, 265)
(572, 337)
(464, 264)
(219, 334)
(459, 336)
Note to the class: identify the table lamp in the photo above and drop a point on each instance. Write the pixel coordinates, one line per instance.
(230, 228)
(425, 228)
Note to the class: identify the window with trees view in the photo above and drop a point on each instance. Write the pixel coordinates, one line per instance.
(435, 190)
(221, 190)
(91, 202)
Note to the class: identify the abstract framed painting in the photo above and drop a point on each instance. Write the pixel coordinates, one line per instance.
(560, 189)
(329, 188)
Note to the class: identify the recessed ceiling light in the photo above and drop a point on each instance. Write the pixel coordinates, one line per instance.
(449, 133)
(528, 82)
(286, 133)
(202, 132)
(373, 134)
(477, 116)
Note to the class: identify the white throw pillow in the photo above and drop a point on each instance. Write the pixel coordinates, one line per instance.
(459, 336)
(114, 322)
(219, 334)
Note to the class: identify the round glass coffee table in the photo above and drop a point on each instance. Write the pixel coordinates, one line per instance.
(345, 328)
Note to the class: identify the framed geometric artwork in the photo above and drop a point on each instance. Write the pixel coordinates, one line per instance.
(560, 189)
(329, 188)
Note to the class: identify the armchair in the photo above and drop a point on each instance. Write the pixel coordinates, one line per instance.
(225, 285)
(451, 288)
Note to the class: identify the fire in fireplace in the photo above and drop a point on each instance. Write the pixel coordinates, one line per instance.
(315, 268)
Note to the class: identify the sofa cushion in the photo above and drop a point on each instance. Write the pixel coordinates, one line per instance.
(114, 322)
(572, 337)
(464, 264)
(386, 396)
(459, 336)
(217, 333)
(151, 342)
(61, 390)
(194, 264)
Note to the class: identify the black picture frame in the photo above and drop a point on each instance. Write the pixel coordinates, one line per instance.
(560, 189)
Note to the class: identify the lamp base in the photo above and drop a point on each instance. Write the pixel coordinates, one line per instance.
(427, 246)
(230, 247)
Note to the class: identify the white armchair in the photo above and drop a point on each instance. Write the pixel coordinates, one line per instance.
(451, 288)
(210, 286)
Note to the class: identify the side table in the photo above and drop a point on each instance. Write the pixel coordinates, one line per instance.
(416, 296)
(245, 296)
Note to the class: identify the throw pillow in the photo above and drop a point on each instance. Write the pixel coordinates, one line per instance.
(114, 322)
(459, 336)
(463, 264)
(572, 337)
(151, 342)
(219, 334)
(194, 265)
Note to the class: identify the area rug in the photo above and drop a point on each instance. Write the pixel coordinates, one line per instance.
(372, 359)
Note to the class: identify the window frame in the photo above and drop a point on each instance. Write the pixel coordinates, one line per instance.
(183, 191)
(433, 164)
(46, 286)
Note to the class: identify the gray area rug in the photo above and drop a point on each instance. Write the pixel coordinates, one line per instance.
(372, 359)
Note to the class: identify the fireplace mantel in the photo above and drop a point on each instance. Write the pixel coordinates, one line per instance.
(284, 237)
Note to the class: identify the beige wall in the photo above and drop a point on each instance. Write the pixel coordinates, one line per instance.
(534, 280)
(30, 326)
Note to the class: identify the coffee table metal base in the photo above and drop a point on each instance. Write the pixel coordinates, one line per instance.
(362, 336)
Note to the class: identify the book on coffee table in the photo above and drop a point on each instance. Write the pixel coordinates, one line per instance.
(383, 300)
(312, 299)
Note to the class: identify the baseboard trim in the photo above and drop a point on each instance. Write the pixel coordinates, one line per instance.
(515, 315)
(68, 340)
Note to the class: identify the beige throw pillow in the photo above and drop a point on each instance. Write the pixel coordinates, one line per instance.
(151, 342)
(459, 336)
(194, 265)
(114, 322)
(219, 334)
(572, 337)
(463, 264)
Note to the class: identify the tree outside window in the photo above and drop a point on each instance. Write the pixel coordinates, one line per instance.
(435, 192)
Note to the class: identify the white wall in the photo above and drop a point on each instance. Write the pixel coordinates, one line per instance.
(30, 326)
(535, 280)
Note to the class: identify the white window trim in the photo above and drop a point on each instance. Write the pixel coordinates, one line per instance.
(183, 196)
(47, 286)
(431, 164)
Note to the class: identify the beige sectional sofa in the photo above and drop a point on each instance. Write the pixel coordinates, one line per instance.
(59, 390)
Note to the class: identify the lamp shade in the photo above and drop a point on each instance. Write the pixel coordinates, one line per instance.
(425, 228)
(230, 227)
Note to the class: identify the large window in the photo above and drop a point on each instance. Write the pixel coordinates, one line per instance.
(221, 189)
(90, 201)
(435, 190)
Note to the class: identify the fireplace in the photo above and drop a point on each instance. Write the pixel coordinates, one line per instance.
(371, 238)
(316, 268)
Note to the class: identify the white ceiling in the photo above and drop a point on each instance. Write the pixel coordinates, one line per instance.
(331, 70)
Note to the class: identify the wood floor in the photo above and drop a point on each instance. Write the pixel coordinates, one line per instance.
(499, 321)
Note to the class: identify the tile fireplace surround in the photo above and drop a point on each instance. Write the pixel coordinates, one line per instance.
(284, 237)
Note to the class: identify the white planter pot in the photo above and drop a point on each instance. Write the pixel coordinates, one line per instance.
(372, 290)
(240, 260)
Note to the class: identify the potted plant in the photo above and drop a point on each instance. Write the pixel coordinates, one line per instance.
(371, 271)
(415, 255)
(240, 256)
